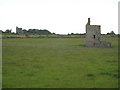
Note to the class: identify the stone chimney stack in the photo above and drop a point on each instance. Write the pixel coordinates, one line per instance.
(88, 21)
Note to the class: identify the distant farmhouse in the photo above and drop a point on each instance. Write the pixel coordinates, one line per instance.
(93, 35)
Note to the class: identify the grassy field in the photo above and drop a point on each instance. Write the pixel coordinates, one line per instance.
(58, 63)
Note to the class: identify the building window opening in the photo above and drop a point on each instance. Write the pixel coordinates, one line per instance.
(94, 36)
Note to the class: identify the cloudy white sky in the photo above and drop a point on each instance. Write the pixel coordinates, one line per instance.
(59, 16)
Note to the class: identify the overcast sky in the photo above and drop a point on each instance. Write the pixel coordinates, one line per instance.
(59, 16)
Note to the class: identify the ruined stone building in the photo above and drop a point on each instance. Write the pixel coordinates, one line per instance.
(19, 30)
(93, 35)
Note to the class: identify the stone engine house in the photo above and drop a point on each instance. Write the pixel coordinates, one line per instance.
(93, 35)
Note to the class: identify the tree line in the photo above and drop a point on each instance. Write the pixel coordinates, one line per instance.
(44, 32)
(29, 32)
(37, 32)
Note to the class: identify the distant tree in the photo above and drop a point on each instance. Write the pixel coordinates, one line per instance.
(13, 33)
(111, 33)
(25, 32)
(68, 34)
(8, 31)
(39, 32)
(103, 34)
(53, 33)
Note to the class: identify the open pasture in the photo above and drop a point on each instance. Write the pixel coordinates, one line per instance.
(58, 63)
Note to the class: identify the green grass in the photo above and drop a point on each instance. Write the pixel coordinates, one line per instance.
(58, 63)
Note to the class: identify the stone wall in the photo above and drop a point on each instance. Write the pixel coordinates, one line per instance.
(103, 44)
